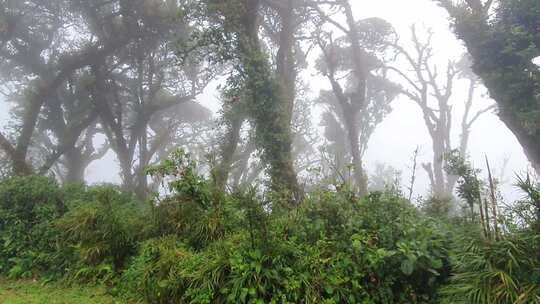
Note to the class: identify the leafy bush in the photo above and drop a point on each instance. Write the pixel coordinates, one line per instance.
(28, 206)
(40, 236)
(150, 272)
(526, 212)
(102, 231)
(383, 244)
(497, 272)
(201, 245)
(331, 249)
(196, 225)
(504, 270)
(197, 212)
(439, 207)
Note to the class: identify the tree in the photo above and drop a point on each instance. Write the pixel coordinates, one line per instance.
(269, 88)
(245, 164)
(71, 166)
(281, 25)
(141, 81)
(502, 38)
(188, 126)
(233, 118)
(110, 73)
(305, 140)
(358, 104)
(385, 178)
(432, 92)
(72, 121)
(38, 59)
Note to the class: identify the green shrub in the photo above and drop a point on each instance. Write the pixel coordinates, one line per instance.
(496, 272)
(28, 242)
(525, 213)
(196, 225)
(197, 212)
(504, 270)
(159, 261)
(331, 249)
(382, 243)
(102, 230)
(40, 236)
(201, 245)
(439, 207)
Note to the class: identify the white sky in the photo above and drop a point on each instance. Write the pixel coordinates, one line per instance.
(396, 138)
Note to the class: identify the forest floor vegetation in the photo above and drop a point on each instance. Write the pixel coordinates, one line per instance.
(198, 244)
(35, 292)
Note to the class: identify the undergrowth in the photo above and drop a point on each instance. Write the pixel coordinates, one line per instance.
(201, 245)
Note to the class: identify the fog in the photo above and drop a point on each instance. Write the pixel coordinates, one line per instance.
(396, 138)
(270, 151)
(403, 130)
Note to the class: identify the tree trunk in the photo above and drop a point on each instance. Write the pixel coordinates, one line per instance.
(510, 85)
(439, 186)
(142, 180)
(530, 141)
(286, 63)
(360, 178)
(230, 144)
(272, 122)
(75, 165)
(125, 170)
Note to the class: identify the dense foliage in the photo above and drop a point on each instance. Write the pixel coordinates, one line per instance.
(199, 244)
(502, 38)
(28, 207)
(101, 231)
(506, 271)
(85, 233)
(333, 248)
(329, 252)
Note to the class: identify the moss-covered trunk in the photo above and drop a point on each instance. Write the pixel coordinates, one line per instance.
(512, 79)
(267, 107)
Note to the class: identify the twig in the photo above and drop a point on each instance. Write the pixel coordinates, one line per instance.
(413, 176)
(493, 200)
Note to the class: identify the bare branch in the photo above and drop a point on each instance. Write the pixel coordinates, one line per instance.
(325, 17)
(480, 113)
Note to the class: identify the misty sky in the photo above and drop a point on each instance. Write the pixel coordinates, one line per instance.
(396, 138)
